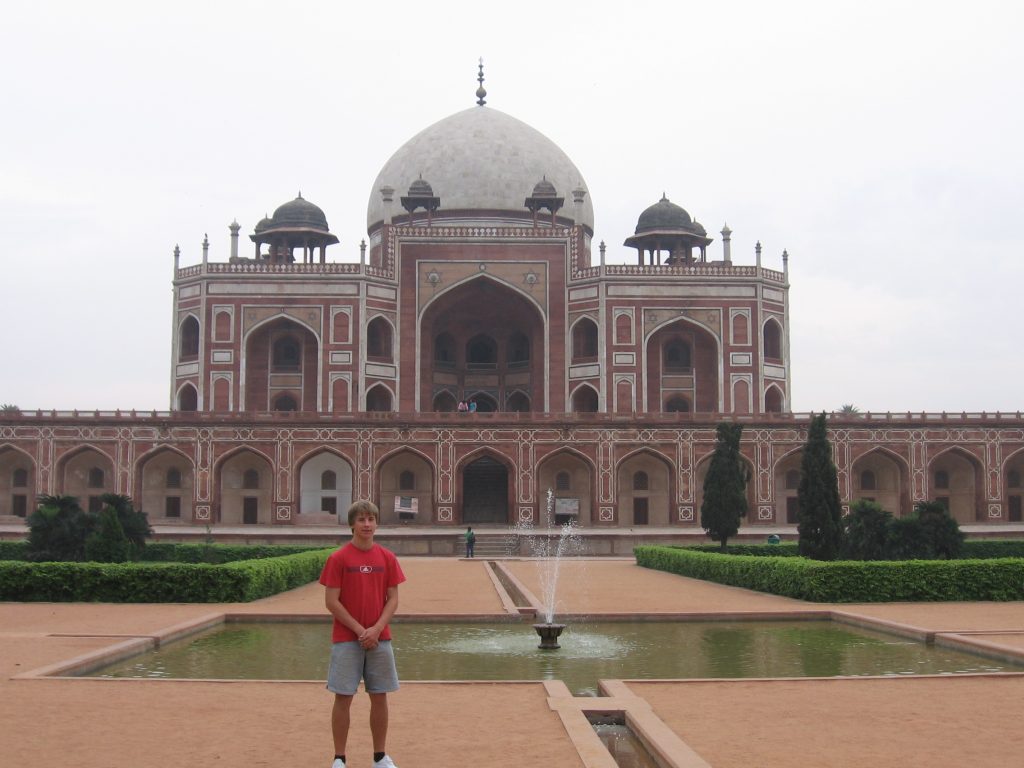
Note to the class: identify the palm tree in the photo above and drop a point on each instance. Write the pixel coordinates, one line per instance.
(849, 409)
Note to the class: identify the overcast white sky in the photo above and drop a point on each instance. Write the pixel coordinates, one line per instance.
(879, 142)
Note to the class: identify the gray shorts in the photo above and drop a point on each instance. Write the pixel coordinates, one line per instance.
(350, 663)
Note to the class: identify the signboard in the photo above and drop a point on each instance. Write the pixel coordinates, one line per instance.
(567, 507)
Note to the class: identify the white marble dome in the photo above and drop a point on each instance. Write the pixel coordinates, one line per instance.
(479, 159)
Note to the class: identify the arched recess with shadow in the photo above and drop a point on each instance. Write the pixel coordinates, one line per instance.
(165, 479)
(17, 482)
(483, 334)
(571, 477)
(884, 478)
(188, 399)
(403, 476)
(486, 489)
(379, 399)
(771, 335)
(1013, 486)
(700, 475)
(645, 489)
(955, 479)
(188, 340)
(585, 399)
(325, 488)
(244, 481)
(786, 483)
(584, 341)
(380, 346)
(86, 473)
(281, 358)
(445, 402)
(682, 360)
(774, 400)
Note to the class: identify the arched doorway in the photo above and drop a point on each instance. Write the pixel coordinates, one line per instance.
(485, 492)
(682, 366)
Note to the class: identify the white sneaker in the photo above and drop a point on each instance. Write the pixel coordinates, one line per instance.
(385, 762)
(338, 763)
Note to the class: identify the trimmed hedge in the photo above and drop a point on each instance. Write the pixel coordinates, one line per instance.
(235, 582)
(847, 581)
(13, 550)
(973, 549)
(171, 552)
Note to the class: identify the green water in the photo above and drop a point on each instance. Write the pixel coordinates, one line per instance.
(590, 651)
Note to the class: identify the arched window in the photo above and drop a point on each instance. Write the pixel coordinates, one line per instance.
(562, 482)
(941, 479)
(222, 326)
(584, 340)
(378, 339)
(444, 351)
(641, 481)
(286, 355)
(773, 341)
(518, 351)
(867, 480)
(173, 478)
(340, 329)
(328, 480)
(444, 402)
(518, 402)
(792, 480)
(481, 352)
(189, 341)
(285, 403)
(20, 478)
(773, 400)
(407, 481)
(584, 400)
(251, 479)
(378, 399)
(677, 404)
(676, 356)
(95, 477)
(188, 399)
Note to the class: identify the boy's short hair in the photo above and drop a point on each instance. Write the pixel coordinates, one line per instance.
(362, 506)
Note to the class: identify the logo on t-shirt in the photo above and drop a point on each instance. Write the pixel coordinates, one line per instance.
(365, 569)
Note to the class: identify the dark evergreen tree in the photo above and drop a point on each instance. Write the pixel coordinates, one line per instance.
(108, 543)
(725, 486)
(821, 516)
(941, 536)
(134, 523)
(57, 529)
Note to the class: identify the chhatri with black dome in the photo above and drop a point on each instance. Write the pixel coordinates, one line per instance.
(666, 226)
(295, 224)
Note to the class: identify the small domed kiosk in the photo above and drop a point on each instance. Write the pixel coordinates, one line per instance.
(666, 226)
(295, 224)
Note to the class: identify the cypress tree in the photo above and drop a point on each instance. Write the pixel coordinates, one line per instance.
(725, 486)
(820, 521)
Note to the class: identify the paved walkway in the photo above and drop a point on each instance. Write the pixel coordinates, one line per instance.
(948, 721)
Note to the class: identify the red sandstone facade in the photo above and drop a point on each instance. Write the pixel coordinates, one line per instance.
(299, 384)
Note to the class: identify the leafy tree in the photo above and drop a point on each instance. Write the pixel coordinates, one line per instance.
(820, 520)
(134, 523)
(57, 529)
(725, 486)
(866, 531)
(9, 408)
(108, 543)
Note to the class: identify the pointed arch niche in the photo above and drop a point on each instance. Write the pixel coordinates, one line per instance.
(484, 337)
(645, 492)
(245, 487)
(17, 483)
(572, 479)
(325, 489)
(166, 482)
(406, 475)
(281, 357)
(683, 361)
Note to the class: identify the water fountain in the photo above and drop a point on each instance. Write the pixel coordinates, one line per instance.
(548, 552)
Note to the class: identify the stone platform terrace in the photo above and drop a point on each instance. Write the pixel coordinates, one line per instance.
(851, 722)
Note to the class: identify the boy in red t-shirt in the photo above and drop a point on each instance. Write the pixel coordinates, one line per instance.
(361, 581)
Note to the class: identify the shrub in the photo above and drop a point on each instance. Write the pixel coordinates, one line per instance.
(848, 580)
(108, 543)
(940, 531)
(865, 531)
(58, 529)
(134, 523)
(241, 581)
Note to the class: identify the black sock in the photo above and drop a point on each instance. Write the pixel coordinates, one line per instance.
(378, 756)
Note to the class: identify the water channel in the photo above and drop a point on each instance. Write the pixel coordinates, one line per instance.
(590, 651)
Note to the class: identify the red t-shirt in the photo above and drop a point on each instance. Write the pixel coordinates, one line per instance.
(364, 578)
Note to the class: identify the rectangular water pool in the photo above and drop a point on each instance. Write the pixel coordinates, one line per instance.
(590, 651)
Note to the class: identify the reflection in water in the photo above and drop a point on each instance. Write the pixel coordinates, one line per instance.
(590, 652)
